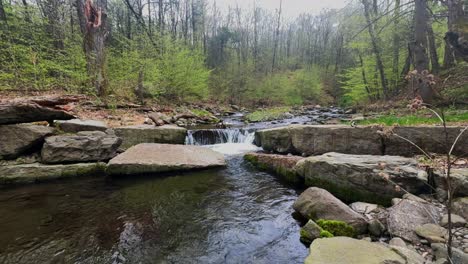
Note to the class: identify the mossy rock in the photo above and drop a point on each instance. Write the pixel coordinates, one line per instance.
(336, 228)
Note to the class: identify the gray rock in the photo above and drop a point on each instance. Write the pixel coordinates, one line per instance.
(310, 232)
(339, 250)
(315, 203)
(409, 255)
(134, 135)
(440, 252)
(157, 158)
(77, 125)
(282, 165)
(85, 146)
(16, 140)
(432, 232)
(362, 177)
(16, 113)
(32, 173)
(459, 181)
(429, 138)
(376, 228)
(363, 208)
(442, 261)
(275, 140)
(405, 216)
(460, 207)
(396, 241)
(457, 221)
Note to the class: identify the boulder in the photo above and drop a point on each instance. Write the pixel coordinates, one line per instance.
(363, 177)
(315, 203)
(27, 112)
(363, 208)
(460, 207)
(440, 252)
(310, 232)
(339, 250)
(282, 165)
(16, 140)
(77, 125)
(459, 181)
(32, 173)
(429, 138)
(432, 233)
(134, 135)
(275, 140)
(376, 228)
(405, 216)
(398, 242)
(157, 158)
(457, 221)
(85, 146)
(411, 256)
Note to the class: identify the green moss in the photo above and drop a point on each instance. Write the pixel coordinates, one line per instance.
(267, 114)
(349, 195)
(337, 228)
(325, 233)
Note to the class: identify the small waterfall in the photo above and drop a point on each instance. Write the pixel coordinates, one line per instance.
(219, 136)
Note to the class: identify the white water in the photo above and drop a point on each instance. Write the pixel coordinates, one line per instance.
(232, 141)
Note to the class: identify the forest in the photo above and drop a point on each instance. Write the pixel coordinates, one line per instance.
(197, 51)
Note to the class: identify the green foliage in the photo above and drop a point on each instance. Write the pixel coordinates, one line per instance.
(267, 114)
(337, 228)
(409, 120)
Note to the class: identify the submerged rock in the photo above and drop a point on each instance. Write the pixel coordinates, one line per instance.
(405, 216)
(363, 177)
(315, 203)
(282, 165)
(32, 173)
(134, 135)
(16, 140)
(339, 250)
(77, 125)
(157, 158)
(83, 147)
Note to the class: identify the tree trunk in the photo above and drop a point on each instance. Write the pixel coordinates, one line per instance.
(396, 45)
(376, 48)
(433, 49)
(421, 60)
(277, 31)
(93, 24)
(364, 78)
(457, 23)
(2, 12)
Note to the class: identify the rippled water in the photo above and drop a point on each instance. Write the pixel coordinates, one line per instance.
(232, 215)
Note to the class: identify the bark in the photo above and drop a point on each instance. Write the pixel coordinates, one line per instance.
(421, 59)
(396, 45)
(457, 22)
(93, 24)
(277, 31)
(376, 48)
(433, 50)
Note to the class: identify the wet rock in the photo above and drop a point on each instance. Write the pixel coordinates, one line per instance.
(440, 252)
(405, 216)
(85, 146)
(275, 140)
(457, 221)
(77, 125)
(310, 232)
(459, 181)
(460, 207)
(32, 173)
(29, 112)
(363, 177)
(134, 135)
(432, 232)
(315, 203)
(429, 138)
(157, 158)
(16, 140)
(338, 250)
(284, 166)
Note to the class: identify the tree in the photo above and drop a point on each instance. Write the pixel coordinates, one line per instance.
(419, 47)
(2, 12)
(93, 24)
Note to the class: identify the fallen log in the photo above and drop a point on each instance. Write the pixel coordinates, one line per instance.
(26, 112)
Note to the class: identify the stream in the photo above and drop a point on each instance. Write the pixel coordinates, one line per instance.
(231, 215)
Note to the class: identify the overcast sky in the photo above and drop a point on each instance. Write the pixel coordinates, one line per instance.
(291, 8)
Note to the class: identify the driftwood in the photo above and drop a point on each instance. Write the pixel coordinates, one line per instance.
(26, 112)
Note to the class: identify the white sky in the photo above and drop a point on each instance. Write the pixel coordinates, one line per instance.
(291, 8)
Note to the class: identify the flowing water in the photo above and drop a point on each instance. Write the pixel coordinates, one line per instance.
(231, 215)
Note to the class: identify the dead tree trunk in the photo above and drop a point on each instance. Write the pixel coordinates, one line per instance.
(93, 24)
(376, 48)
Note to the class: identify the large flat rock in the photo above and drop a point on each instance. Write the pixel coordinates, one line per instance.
(16, 140)
(32, 173)
(134, 135)
(77, 125)
(281, 165)
(26, 112)
(340, 250)
(363, 177)
(156, 158)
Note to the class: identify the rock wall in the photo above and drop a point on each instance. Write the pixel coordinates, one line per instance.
(365, 140)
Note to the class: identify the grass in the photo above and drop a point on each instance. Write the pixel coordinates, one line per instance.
(267, 114)
(411, 120)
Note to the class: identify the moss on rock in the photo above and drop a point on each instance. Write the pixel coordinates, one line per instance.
(336, 228)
